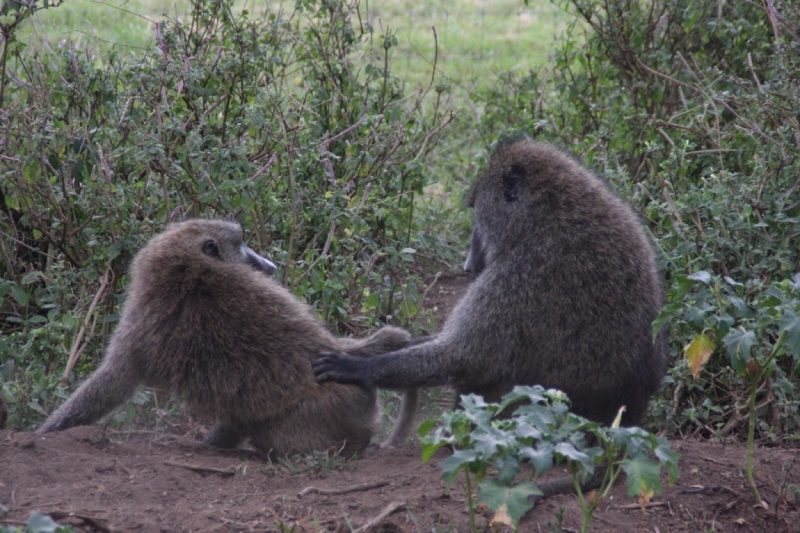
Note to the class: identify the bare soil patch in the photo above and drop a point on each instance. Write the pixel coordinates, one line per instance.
(151, 482)
(102, 480)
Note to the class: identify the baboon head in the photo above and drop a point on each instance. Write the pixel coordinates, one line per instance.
(524, 185)
(217, 240)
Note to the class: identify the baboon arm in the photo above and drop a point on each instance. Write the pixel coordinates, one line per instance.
(420, 365)
(105, 390)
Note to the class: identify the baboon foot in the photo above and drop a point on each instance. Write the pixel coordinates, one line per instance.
(222, 436)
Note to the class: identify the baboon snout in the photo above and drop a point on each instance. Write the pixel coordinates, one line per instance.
(260, 263)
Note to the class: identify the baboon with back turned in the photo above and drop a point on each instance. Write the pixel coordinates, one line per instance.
(203, 318)
(566, 293)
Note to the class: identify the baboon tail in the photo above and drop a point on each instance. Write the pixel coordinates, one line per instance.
(404, 422)
(108, 388)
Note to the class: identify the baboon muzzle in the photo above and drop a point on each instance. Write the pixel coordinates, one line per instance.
(259, 263)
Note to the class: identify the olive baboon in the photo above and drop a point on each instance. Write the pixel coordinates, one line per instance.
(567, 293)
(236, 346)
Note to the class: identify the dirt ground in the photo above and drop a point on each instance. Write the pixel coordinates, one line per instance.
(103, 480)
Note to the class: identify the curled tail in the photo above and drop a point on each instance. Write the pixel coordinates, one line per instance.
(404, 422)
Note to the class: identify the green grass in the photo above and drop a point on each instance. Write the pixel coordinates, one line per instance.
(475, 38)
(126, 24)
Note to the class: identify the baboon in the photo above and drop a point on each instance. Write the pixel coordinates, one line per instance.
(566, 293)
(203, 318)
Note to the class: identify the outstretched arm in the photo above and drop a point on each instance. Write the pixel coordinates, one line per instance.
(419, 365)
(105, 390)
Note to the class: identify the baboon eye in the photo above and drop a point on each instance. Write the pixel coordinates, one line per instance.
(513, 183)
(210, 249)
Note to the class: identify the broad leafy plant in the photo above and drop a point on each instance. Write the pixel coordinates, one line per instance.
(504, 455)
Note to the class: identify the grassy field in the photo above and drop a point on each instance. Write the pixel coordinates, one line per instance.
(475, 38)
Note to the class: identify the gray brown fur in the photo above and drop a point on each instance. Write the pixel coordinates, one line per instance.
(567, 293)
(234, 344)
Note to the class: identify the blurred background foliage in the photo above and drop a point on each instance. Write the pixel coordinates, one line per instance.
(342, 135)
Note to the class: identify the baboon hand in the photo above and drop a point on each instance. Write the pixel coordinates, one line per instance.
(339, 367)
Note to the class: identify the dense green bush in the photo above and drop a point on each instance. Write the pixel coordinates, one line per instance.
(690, 110)
(266, 118)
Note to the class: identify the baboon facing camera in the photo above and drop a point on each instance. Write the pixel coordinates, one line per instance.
(203, 318)
(566, 293)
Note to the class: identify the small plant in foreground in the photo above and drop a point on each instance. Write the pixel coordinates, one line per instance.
(541, 432)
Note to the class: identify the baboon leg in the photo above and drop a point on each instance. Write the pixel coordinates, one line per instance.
(566, 485)
(223, 436)
(334, 418)
(108, 388)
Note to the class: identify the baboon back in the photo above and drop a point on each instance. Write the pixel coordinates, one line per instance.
(566, 293)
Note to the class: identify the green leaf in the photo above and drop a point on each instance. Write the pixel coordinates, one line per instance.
(12, 202)
(732, 282)
(540, 416)
(541, 457)
(39, 523)
(695, 317)
(371, 302)
(742, 310)
(430, 448)
(739, 343)
(725, 323)
(533, 394)
(507, 467)
(667, 312)
(426, 427)
(458, 460)
(19, 295)
(514, 501)
(31, 277)
(790, 323)
(701, 276)
(644, 476)
(575, 456)
(487, 442)
(667, 458)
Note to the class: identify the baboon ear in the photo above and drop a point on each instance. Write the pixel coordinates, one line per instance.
(210, 248)
(513, 182)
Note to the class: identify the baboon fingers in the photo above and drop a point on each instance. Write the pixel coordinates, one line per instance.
(338, 367)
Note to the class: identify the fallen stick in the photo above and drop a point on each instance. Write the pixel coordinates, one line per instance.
(204, 469)
(637, 506)
(378, 520)
(332, 492)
